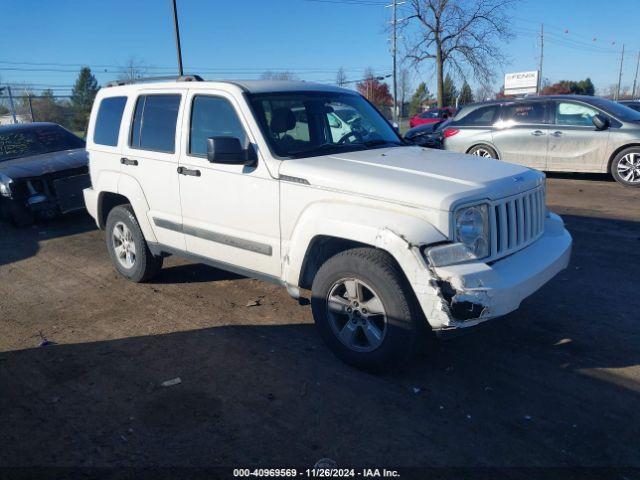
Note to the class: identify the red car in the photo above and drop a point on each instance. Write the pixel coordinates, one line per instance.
(433, 115)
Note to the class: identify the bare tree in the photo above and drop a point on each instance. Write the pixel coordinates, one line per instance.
(341, 77)
(282, 75)
(460, 35)
(133, 69)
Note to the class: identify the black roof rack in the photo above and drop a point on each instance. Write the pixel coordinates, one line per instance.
(175, 78)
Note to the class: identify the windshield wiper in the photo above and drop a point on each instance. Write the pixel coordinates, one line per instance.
(375, 143)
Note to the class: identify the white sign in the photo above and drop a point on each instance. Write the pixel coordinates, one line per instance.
(520, 83)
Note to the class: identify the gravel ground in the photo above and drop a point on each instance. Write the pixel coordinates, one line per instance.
(553, 384)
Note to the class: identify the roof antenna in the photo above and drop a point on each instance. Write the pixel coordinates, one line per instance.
(177, 31)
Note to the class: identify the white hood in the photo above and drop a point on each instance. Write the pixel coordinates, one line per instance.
(414, 176)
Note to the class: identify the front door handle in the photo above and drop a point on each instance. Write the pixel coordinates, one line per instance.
(537, 133)
(189, 172)
(128, 161)
(557, 133)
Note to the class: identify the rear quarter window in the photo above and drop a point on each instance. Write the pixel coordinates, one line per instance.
(483, 116)
(108, 121)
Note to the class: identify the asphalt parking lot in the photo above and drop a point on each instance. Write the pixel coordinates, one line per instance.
(556, 383)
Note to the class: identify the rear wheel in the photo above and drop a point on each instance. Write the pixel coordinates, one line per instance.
(364, 309)
(127, 247)
(625, 167)
(483, 151)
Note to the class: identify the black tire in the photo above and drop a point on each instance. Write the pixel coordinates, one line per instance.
(145, 265)
(480, 149)
(620, 161)
(404, 320)
(17, 214)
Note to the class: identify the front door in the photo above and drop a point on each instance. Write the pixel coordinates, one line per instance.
(230, 212)
(574, 143)
(521, 134)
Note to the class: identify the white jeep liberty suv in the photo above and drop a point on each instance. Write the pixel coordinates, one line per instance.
(310, 187)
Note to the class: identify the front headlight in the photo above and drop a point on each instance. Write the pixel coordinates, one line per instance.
(471, 228)
(5, 185)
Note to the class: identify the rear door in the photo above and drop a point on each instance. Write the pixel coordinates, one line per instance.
(150, 156)
(574, 143)
(522, 133)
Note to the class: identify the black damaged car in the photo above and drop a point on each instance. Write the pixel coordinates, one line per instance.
(43, 170)
(429, 135)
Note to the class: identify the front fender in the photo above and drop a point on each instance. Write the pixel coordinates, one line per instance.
(396, 232)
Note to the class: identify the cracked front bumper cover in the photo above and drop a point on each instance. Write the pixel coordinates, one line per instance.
(473, 292)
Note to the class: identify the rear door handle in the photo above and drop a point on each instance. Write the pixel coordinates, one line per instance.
(128, 161)
(189, 172)
(557, 133)
(537, 133)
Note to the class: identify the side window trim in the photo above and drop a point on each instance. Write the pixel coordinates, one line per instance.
(195, 95)
(144, 94)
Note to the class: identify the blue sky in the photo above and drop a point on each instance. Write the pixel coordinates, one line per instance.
(242, 38)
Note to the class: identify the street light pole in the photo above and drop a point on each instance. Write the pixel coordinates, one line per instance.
(620, 75)
(177, 32)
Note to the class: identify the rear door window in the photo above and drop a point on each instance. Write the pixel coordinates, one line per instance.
(525, 112)
(154, 123)
(107, 127)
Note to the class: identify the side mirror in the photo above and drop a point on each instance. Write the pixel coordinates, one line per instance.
(229, 150)
(396, 127)
(600, 121)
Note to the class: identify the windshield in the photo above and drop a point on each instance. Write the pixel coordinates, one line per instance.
(35, 141)
(306, 124)
(616, 109)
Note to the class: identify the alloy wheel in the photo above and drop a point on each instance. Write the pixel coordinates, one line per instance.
(629, 168)
(123, 245)
(356, 314)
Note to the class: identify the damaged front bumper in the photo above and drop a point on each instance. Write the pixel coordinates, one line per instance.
(463, 295)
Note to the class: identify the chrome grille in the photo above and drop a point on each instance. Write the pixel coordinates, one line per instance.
(516, 222)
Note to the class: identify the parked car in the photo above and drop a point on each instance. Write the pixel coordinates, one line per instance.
(433, 115)
(633, 104)
(389, 239)
(43, 170)
(565, 133)
(429, 135)
(562, 133)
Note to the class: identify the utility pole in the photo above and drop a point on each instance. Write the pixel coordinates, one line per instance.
(31, 107)
(177, 32)
(635, 78)
(394, 54)
(541, 57)
(620, 75)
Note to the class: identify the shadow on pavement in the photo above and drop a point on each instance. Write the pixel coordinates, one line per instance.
(545, 386)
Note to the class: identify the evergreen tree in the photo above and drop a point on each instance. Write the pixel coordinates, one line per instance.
(84, 91)
(420, 95)
(450, 92)
(466, 95)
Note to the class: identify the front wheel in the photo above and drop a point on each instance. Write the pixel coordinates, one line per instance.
(625, 167)
(364, 309)
(127, 247)
(483, 151)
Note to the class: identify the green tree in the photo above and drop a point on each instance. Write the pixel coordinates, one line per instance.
(84, 91)
(418, 98)
(450, 92)
(585, 87)
(466, 95)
